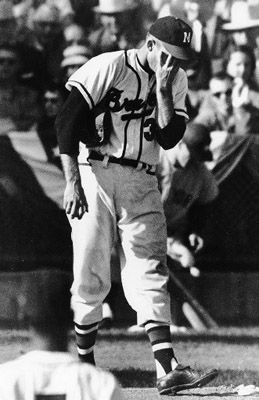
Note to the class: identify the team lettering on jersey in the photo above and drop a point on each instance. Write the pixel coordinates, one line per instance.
(135, 109)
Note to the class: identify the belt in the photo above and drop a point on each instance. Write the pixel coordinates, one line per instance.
(150, 169)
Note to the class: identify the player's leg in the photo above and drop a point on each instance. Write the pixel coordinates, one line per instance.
(144, 273)
(145, 278)
(92, 238)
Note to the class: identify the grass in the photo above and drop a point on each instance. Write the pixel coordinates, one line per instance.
(233, 351)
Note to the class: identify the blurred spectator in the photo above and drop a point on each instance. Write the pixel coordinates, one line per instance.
(84, 14)
(241, 66)
(48, 370)
(47, 38)
(25, 10)
(74, 57)
(19, 105)
(7, 22)
(199, 44)
(34, 69)
(243, 27)
(244, 22)
(218, 39)
(74, 34)
(185, 182)
(117, 29)
(216, 111)
(53, 98)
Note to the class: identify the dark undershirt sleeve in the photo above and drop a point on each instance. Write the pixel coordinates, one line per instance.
(73, 123)
(169, 136)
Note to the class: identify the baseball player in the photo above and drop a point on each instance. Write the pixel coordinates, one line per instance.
(48, 371)
(112, 190)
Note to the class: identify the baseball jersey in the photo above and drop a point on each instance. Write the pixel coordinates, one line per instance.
(182, 187)
(131, 97)
(44, 375)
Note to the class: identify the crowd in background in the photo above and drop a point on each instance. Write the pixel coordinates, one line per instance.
(43, 42)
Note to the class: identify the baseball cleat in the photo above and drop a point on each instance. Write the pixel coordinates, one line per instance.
(183, 378)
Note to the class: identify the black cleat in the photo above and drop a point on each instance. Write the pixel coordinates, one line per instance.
(183, 378)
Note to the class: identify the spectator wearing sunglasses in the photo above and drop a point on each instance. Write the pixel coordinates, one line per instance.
(216, 111)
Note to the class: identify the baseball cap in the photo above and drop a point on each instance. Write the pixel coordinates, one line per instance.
(175, 35)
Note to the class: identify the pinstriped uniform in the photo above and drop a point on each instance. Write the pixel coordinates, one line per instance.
(123, 201)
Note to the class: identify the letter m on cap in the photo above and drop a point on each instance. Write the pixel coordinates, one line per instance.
(186, 37)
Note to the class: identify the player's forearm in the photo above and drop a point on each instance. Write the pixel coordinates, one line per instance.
(165, 108)
(70, 168)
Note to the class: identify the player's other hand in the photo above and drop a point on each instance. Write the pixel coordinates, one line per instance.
(196, 242)
(75, 203)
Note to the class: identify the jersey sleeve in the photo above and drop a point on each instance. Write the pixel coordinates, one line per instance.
(180, 89)
(96, 77)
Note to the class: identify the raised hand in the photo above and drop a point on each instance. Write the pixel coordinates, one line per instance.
(167, 68)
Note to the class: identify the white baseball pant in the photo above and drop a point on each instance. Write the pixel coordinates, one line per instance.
(122, 201)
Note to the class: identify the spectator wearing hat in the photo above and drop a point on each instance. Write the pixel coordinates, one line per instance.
(186, 183)
(111, 187)
(118, 29)
(73, 58)
(48, 370)
(243, 27)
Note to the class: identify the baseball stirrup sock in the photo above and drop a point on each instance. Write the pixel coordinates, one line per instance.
(85, 339)
(160, 339)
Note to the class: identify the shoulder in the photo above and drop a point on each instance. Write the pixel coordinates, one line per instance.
(99, 65)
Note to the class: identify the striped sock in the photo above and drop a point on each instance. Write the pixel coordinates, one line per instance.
(85, 339)
(160, 339)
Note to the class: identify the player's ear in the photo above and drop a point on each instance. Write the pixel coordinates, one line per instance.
(150, 44)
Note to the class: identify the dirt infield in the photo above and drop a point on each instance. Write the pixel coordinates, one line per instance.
(211, 393)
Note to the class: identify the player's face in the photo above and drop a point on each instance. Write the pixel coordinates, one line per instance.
(158, 56)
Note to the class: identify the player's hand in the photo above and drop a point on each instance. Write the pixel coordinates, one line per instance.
(196, 242)
(167, 68)
(177, 251)
(75, 203)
